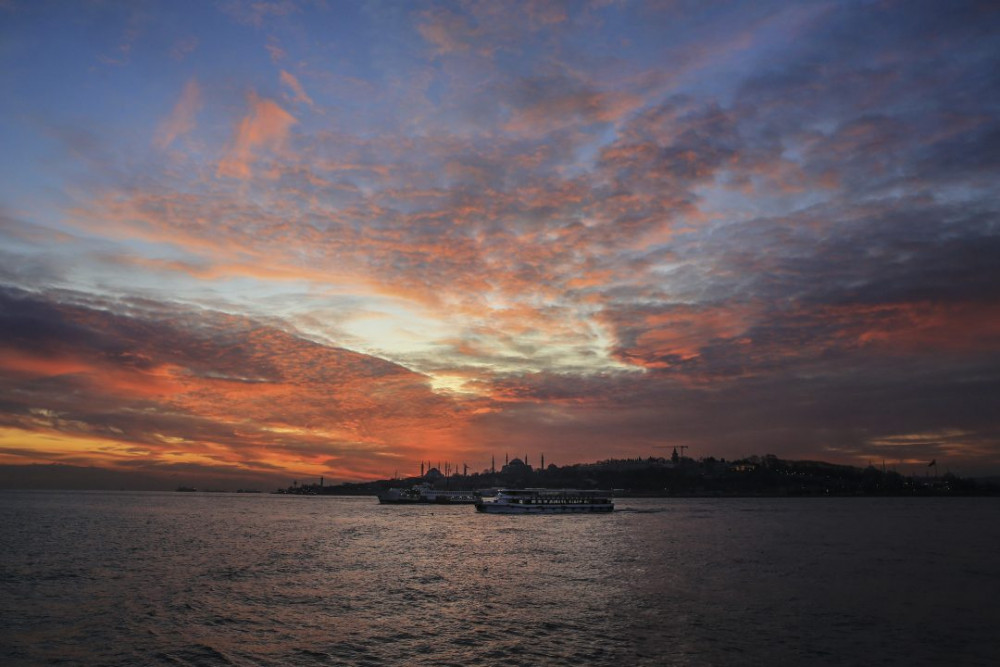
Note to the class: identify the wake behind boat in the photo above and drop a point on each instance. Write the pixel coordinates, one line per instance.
(546, 501)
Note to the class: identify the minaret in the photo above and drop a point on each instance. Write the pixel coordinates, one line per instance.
(421, 468)
(543, 460)
(493, 463)
(506, 459)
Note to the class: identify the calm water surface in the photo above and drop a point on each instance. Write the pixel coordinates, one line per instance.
(218, 579)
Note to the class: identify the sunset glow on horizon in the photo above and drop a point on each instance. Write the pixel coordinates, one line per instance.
(276, 240)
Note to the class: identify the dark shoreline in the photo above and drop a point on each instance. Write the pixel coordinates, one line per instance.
(681, 477)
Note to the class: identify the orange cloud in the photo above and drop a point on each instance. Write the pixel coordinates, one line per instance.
(266, 127)
(211, 389)
(182, 119)
(681, 333)
(48, 365)
(924, 326)
(107, 378)
(546, 104)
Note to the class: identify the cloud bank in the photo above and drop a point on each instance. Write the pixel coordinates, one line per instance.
(350, 239)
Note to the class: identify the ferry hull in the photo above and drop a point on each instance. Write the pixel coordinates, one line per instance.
(426, 501)
(498, 508)
(548, 501)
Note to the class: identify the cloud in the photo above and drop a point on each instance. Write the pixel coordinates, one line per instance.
(748, 229)
(678, 334)
(258, 12)
(447, 32)
(486, 28)
(206, 387)
(183, 118)
(540, 105)
(266, 127)
(296, 87)
(184, 47)
(274, 50)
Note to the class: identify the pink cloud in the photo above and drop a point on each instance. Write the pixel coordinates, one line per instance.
(274, 50)
(447, 32)
(182, 119)
(293, 83)
(680, 333)
(266, 127)
(543, 12)
(544, 105)
(915, 327)
(487, 26)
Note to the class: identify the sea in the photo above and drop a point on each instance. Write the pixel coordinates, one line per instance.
(120, 578)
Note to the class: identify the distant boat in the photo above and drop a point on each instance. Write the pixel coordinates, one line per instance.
(546, 501)
(424, 494)
(187, 489)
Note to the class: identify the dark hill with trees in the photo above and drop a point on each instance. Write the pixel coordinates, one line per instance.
(766, 476)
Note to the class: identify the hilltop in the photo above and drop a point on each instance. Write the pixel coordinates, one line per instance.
(766, 476)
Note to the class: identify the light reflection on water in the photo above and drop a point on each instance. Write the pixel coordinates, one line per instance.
(139, 578)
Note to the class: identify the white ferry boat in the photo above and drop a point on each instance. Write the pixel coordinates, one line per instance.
(546, 501)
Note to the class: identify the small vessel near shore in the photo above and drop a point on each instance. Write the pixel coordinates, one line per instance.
(424, 494)
(546, 501)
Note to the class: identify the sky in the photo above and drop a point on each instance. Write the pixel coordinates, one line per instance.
(274, 240)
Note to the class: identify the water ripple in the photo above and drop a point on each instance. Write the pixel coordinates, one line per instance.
(192, 579)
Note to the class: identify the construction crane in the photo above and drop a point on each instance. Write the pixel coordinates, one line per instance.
(682, 448)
